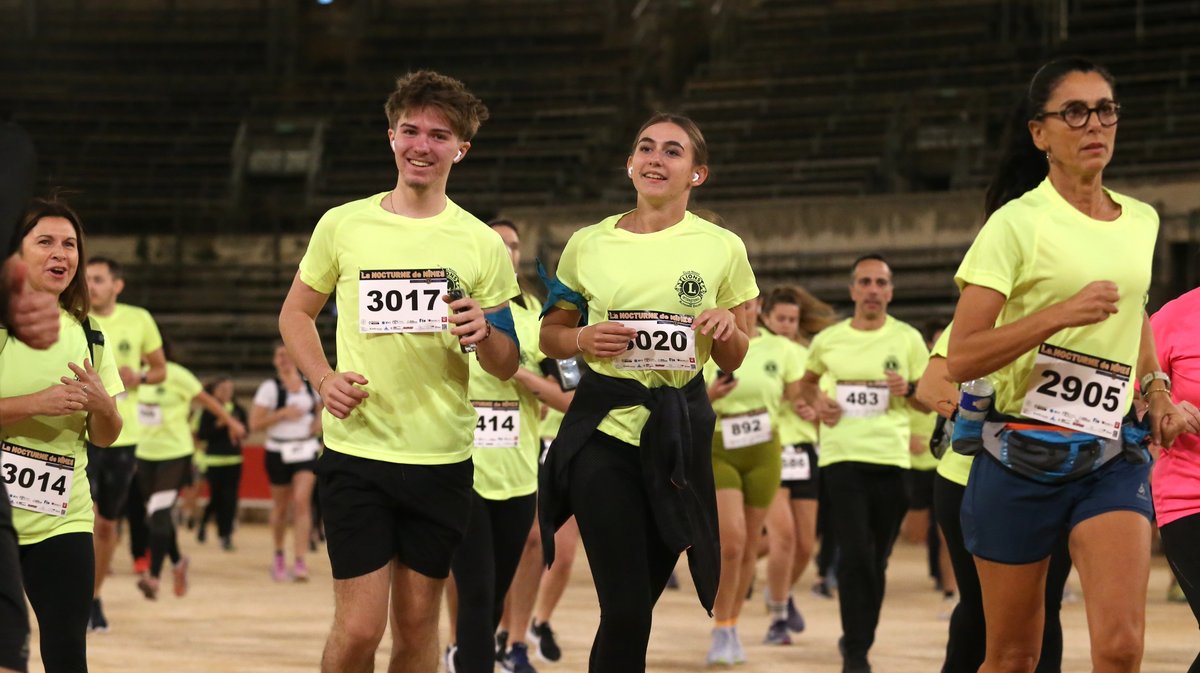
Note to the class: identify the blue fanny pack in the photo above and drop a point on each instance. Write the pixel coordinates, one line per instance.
(1048, 453)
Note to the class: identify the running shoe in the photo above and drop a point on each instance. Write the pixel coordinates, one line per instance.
(300, 571)
(501, 645)
(739, 655)
(448, 658)
(202, 534)
(179, 579)
(795, 620)
(821, 588)
(141, 564)
(149, 587)
(227, 544)
(279, 571)
(517, 660)
(96, 620)
(721, 650)
(541, 639)
(778, 634)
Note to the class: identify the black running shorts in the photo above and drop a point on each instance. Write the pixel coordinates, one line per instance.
(376, 511)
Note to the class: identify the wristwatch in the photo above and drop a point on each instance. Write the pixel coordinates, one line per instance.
(1155, 376)
(912, 389)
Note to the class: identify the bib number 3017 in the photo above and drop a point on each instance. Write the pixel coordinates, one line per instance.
(402, 300)
(1077, 391)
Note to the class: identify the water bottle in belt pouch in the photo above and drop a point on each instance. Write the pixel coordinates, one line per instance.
(977, 397)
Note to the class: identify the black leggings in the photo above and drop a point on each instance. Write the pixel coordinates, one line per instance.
(14, 620)
(866, 505)
(223, 484)
(630, 564)
(483, 569)
(59, 575)
(967, 644)
(135, 518)
(158, 477)
(1180, 544)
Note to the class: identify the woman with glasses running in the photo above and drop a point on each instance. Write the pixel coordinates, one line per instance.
(1051, 312)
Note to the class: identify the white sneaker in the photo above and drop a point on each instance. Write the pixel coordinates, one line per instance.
(721, 651)
(735, 645)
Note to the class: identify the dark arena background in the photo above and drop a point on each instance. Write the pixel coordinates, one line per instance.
(201, 140)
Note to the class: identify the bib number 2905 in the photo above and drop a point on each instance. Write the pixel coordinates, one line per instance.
(1072, 388)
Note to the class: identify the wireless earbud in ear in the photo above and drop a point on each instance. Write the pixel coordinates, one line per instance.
(630, 171)
(393, 145)
(695, 177)
(458, 156)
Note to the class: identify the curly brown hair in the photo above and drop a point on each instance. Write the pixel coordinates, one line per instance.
(427, 89)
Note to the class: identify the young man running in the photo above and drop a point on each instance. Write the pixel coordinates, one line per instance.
(132, 336)
(414, 276)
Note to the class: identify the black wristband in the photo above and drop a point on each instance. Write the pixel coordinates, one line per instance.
(912, 389)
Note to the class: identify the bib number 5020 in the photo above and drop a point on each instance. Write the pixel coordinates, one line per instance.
(26, 477)
(660, 340)
(1094, 394)
(394, 300)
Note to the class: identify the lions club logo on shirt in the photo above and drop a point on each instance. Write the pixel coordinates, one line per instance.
(124, 346)
(891, 364)
(691, 289)
(455, 283)
(771, 367)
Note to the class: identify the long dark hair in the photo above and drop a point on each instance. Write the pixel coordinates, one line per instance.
(1022, 165)
(74, 299)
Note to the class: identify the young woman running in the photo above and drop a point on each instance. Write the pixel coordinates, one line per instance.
(747, 464)
(223, 459)
(647, 296)
(288, 410)
(1051, 312)
(164, 460)
(791, 525)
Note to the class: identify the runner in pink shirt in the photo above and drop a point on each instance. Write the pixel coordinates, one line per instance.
(1177, 472)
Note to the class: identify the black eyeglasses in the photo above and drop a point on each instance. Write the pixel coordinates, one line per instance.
(1077, 114)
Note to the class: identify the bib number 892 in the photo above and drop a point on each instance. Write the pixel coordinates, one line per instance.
(659, 340)
(745, 427)
(395, 301)
(27, 477)
(1093, 393)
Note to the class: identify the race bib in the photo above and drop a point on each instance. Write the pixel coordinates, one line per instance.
(497, 424)
(863, 399)
(300, 451)
(1077, 391)
(37, 481)
(664, 341)
(742, 430)
(150, 415)
(796, 466)
(402, 300)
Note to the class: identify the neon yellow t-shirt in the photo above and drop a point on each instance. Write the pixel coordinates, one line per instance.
(503, 473)
(24, 371)
(771, 363)
(792, 428)
(129, 333)
(847, 355)
(165, 410)
(417, 411)
(683, 270)
(921, 425)
(1038, 250)
(548, 428)
(953, 466)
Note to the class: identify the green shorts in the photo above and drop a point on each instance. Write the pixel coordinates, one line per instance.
(753, 470)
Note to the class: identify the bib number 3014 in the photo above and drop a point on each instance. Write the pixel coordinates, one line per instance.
(663, 341)
(402, 300)
(37, 481)
(1077, 391)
